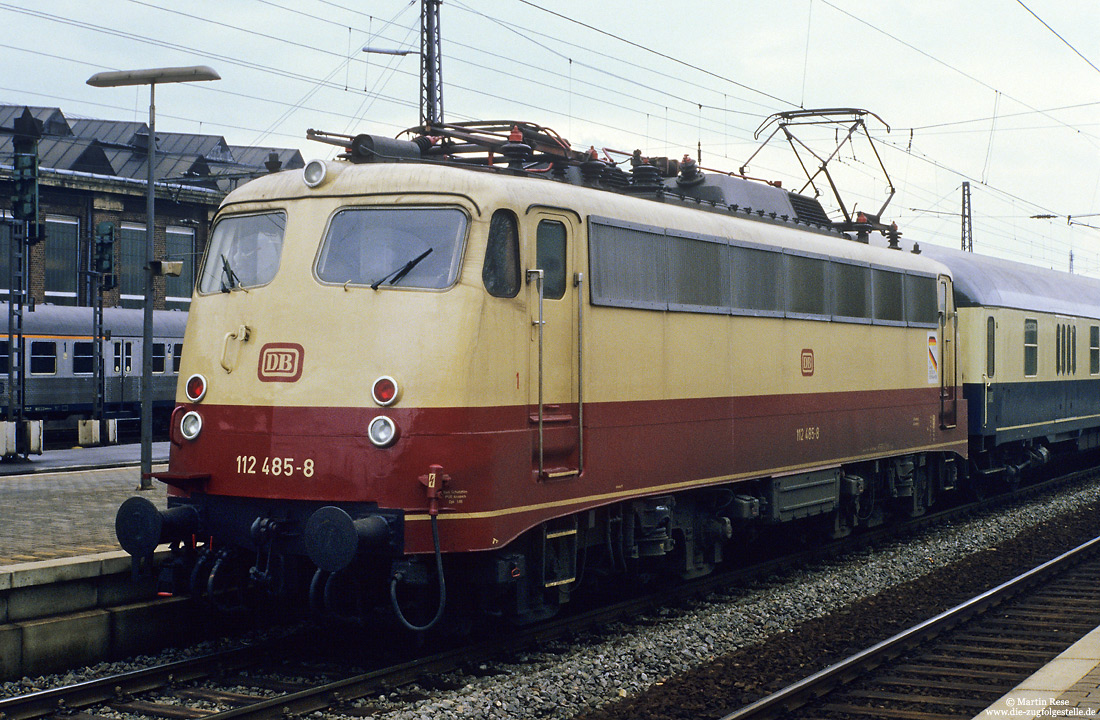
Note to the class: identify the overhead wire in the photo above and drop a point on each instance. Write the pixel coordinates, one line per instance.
(695, 121)
(659, 54)
(1059, 36)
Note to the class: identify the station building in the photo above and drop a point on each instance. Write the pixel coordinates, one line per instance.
(93, 171)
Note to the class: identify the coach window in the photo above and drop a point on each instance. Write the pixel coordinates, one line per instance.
(990, 346)
(43, 357)
(1094, 350)
(177, 356)
(550, 258)
(83, 358)
(500, 272)
(1059, 349)
(158, 357)
(1031, 347)
(1073, 349)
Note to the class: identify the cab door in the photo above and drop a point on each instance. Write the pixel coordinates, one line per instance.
(554, 297)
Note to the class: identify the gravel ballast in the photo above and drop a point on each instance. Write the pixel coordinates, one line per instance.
(704, 659)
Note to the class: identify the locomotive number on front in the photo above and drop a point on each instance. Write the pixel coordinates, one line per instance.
(807, 433)
(252, 465)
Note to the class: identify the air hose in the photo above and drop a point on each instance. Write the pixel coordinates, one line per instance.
(398, 577)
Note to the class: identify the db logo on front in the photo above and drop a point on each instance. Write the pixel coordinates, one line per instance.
(280, 362)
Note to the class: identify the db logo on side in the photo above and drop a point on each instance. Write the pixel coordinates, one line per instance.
(807, 362)
(280, 362)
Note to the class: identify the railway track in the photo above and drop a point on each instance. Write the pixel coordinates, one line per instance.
(237, 684)
(959, 662)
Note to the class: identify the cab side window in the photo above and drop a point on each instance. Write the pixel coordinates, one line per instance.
(550, 252)
(500, 273)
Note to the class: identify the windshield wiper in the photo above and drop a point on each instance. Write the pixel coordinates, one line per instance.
(234, 279)
(401, 271)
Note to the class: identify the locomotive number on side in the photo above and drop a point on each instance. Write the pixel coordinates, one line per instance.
(807, 433)
(252, 465)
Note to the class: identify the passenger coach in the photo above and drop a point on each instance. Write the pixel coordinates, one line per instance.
(1031, 368)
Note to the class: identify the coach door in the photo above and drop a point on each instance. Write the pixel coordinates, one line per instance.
(553, 292)
(124, 369)
(948, 349)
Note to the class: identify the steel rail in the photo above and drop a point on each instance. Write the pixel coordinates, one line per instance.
(91, 692)
(797, 694)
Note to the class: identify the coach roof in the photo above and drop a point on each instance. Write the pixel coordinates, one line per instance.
(986, 281)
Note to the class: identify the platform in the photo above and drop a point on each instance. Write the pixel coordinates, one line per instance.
(1066, 687)
(62, 503)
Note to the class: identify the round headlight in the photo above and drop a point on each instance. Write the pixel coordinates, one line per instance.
(314, 173)
(195, 389)
(384, 391)
(191, 425)
(382, 431)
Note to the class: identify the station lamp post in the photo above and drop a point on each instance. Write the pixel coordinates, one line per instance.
(151, 77)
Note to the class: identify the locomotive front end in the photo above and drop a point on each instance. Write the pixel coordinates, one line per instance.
(329, 345)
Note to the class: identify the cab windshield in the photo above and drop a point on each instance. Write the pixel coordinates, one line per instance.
(398, 247)
(244, 252)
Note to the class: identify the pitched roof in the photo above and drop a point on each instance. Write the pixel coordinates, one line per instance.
(53, 120)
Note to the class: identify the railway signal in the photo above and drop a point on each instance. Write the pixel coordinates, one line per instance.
(26, 131)
(105, 255)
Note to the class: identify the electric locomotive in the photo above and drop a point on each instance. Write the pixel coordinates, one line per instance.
(434, 380)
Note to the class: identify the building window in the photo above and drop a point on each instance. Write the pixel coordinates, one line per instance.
(131, 267)
(83, 358)
(180, 245)
(1031, 347)
(61, 259)
(43, 357)
(5, 243)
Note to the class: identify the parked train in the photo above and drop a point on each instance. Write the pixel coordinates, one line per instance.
(432, 382)
(59, 362)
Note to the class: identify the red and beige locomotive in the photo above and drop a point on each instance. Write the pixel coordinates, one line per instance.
(432, 379)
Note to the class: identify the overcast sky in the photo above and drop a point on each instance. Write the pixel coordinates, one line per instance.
(1003, 94)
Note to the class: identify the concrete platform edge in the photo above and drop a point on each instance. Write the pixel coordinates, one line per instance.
(1040, 695)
